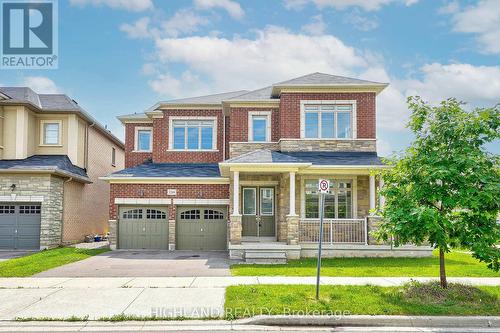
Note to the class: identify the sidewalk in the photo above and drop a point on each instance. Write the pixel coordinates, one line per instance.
(97, 298)
(220, 281)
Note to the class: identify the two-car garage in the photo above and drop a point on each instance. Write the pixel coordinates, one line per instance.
(196, 228)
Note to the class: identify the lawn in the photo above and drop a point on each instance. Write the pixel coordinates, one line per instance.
(457, 264)
(44, 260)
(247, 301)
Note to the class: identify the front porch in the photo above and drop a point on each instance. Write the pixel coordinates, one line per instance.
(274, 207)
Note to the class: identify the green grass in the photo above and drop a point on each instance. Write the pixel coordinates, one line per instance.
(457, 264)
(44, 260)
(248, 301)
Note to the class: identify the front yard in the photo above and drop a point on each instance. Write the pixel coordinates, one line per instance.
(44, 260)
(458, 300)
(458, 264)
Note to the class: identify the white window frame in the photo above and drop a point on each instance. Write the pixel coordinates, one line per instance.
(171, 133)
(354, 192)
(136, 139)
(303, 104)
(272, 201)
(266, 114)
(42, 132)
(254, 199)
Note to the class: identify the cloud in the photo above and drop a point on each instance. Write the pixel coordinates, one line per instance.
(233, 8)
(368, 5)
(41, 85)
(184, 21)
(360, 22)
(130, 5)
(316, 27)
(234, 63)
(139, 29)
(482, 20)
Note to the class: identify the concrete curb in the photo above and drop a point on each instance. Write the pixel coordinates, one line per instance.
(374, 321)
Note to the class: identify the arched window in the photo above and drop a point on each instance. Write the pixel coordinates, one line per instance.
(132, 214)
(155, 214)
(211, 214)
(193, 214)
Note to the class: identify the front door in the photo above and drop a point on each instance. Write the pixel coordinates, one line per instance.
(258, 212)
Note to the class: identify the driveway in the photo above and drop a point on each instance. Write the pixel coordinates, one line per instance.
(145, 264)
(8, 254)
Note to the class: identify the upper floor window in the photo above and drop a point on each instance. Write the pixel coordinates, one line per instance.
(193, 134)
(143, 139)
(50, 132)
(113, 156)
(259, 124)
(327, 121)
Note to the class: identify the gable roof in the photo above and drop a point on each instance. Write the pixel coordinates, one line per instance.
(263, 94)
(323, 79)
(214, 99)
(52, 103)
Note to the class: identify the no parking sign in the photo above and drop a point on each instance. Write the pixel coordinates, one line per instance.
(324, 186)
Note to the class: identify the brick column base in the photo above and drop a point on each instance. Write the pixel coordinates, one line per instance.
(292, 229)
(113, 230)
(235, 229)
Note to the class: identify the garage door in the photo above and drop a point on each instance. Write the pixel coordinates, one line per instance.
(143, 228)
(201, 228)
(20, 226)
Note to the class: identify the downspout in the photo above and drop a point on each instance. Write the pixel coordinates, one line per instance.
(223, 136)
(87, 145)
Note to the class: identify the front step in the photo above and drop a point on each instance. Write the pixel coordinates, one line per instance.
(263, 256)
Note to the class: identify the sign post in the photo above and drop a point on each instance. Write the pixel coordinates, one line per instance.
(324, 188)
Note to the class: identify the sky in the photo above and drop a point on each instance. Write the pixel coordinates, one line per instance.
(122, 56)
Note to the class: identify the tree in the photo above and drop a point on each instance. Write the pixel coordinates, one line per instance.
(444, 189)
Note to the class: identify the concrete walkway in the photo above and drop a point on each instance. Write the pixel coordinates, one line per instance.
(195, 297)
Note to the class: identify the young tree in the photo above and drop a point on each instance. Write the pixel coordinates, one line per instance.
(445, 188)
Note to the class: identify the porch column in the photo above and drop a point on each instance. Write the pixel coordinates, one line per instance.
(236, 193)
(381, 197)
(292, 194)
(372, 192)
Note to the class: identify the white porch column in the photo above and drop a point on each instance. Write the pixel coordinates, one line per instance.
(381, 197)
(292, 194)
(372, 192)
(236, 193)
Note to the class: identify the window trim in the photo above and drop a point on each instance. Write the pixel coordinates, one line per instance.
(136, 139)
(187, 118)
(266, 114)
(43, 122)
(303, 104)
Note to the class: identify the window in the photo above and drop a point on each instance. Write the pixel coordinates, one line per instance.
(143, 139)
(193, 214)
(51, 132)
(338, 203)
(132, 214)
(32, 209)
(259, 126)
(193, 135)
(7, 209)
(211, 214)
(113, 156)
(249, 201)
(327, 121)
(155, 214)
(267, 201)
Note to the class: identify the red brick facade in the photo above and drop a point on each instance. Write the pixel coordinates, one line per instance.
(238, 129)
(290, 112)
(161, 153)
(184, 191)
(133, 158)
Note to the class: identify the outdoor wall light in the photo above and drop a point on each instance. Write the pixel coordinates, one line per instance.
(12, 187)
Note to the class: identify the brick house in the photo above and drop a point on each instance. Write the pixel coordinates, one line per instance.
(52, 154)
(239, 171)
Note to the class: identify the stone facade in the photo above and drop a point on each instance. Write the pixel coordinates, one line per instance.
(43, 188)
(362, 145)
(239, 148)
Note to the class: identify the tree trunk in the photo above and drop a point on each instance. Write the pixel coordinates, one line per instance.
(442, 271)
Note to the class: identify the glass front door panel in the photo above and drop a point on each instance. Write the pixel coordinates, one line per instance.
(258, 212)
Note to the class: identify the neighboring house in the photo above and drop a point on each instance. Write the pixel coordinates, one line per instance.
(239, 171)
(52, 154)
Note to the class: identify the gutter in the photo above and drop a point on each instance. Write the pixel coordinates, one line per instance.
(50, 170)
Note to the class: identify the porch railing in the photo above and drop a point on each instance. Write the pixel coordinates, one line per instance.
(335, 231)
